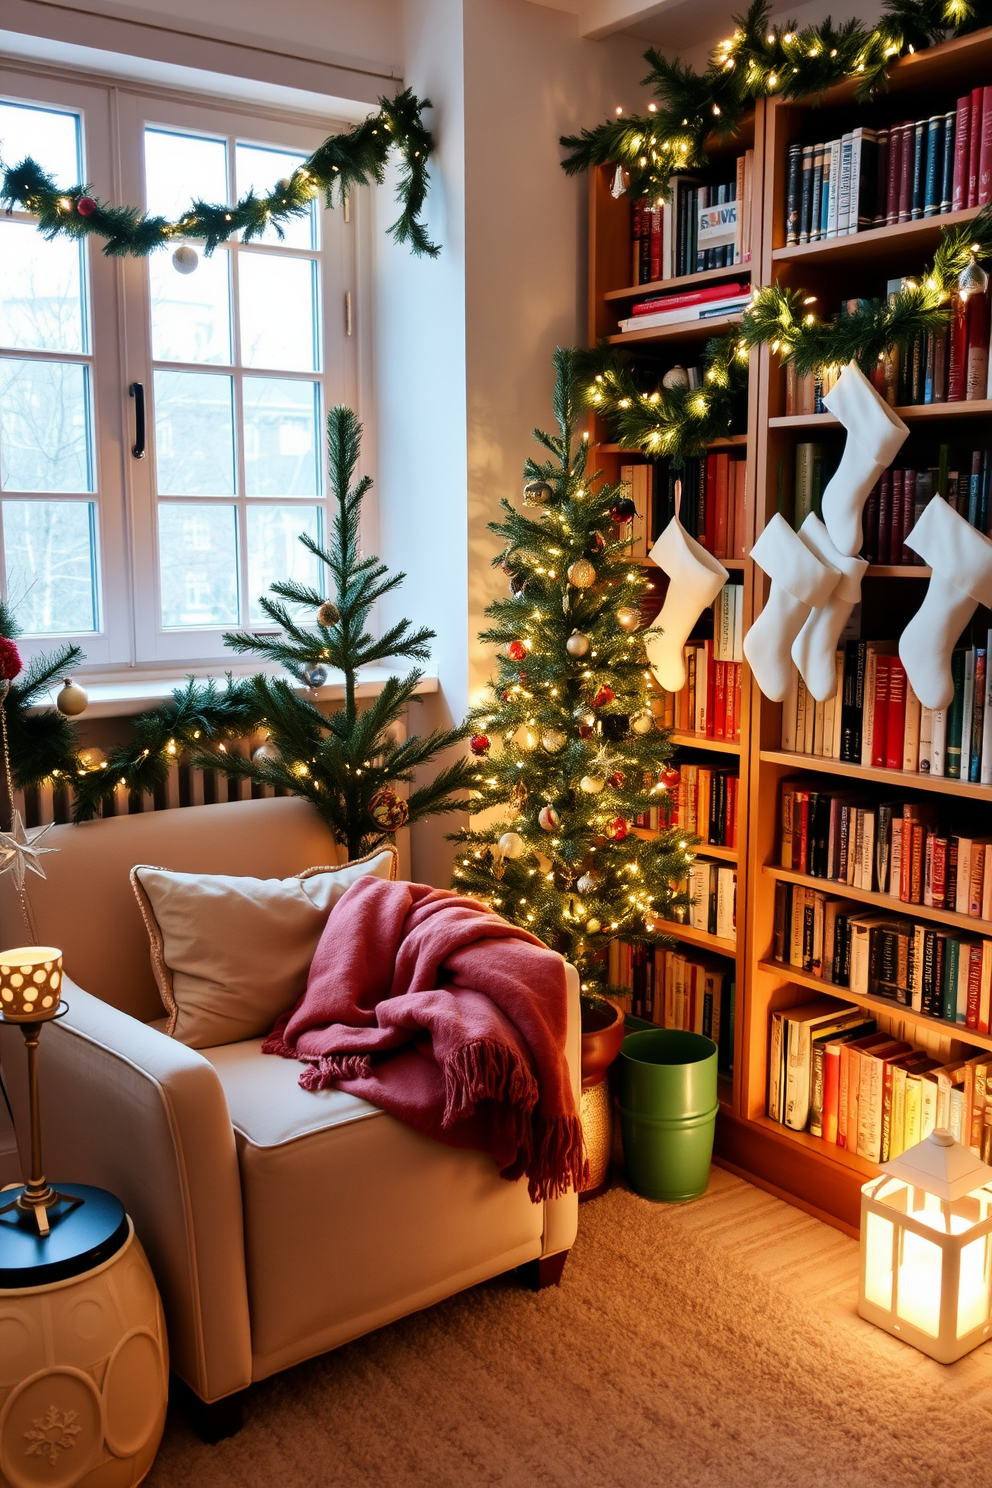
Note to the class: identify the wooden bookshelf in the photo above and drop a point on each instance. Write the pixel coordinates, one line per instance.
(819, 1176)
(661, 347)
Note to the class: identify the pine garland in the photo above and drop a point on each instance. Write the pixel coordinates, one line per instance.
(343, 162)
(681, 422)
(758, 61)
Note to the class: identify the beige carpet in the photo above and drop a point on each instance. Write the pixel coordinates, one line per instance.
(711, 1344)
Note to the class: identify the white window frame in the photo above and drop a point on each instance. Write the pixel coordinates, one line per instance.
(113, 113)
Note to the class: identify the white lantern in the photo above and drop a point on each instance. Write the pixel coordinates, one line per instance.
(926, 1245)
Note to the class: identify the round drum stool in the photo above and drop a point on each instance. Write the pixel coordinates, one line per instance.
(83, 1353)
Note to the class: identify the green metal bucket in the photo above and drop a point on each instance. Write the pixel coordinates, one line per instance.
(668, 1106)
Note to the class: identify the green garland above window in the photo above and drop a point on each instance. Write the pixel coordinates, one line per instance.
(680, 422)
(757, 61)
(344, 161)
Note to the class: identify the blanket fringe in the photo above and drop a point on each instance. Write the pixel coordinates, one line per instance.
(319, 1073)
(557, 1162)
(486, 1070)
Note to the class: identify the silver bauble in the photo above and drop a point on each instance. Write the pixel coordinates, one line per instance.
(92, 758)
(584, 716)
(628, 619)
(266, 754)
(512, 845)
(552, 740)
(577, 644)
(537, 493)
(185, 259)
(642, 722)
(588, 883)
(71, 699)
(675, 377)
(592, 784)
(316, 675)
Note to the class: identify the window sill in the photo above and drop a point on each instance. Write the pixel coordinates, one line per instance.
(120, 695)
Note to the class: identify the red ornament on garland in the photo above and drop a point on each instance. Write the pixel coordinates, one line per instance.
(604, 695)
(669, 777)
(388, 810)
(616, 779)
(617, 829)
(598, 542)
(86, 206)
(584, 731)
(10, 659)
(623, 510)
(516, 650)
(479, 743)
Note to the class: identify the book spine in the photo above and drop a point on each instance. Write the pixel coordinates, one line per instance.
(985, 151)
(935, 163)
(974, 146)
(806, 199)
(919, 168)
(947, 168)
(959, 187)
(793, 194)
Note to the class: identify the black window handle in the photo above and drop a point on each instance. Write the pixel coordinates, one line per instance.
(137, 392)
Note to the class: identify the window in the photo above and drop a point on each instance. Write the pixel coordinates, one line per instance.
(147, 557)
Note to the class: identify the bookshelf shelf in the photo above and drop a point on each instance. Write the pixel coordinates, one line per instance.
(700, 741)
(877, 1004)
(909, 413)
(881, 901)
(682, 282)
(876, 245)
(898, 779)
(858, 1165)
(701, 938)
(732, 441)
(732, 565)
(682, 330)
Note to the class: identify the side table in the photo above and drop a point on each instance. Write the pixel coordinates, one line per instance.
(83, 1352)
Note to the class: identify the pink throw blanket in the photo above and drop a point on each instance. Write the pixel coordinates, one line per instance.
(449, 1018)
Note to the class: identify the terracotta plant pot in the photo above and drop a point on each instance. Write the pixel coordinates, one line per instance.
(602, 1036)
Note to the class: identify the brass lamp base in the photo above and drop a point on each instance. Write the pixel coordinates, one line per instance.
(37, 1196)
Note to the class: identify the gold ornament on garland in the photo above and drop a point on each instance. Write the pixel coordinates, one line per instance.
(328, 614)
(72, 700)
(388, 810)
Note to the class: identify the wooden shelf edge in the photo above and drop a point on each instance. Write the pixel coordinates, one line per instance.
(876, 1004)
(699, 850)
(731, 441)
(682, 281)
(876, 239)
(686, 330)
(881, 901)
(701, 938)
(700, 741)
(906, 779)
(908, 413)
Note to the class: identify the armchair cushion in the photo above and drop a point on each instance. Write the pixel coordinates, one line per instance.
(230, 954)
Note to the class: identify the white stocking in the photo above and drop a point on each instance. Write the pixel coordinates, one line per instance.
(874, 437)
(695, 580)
(815, 647)
(961, 560)
(800, 582)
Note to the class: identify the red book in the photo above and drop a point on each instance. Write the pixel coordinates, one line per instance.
(688, 296)
(977, 365)
(896, 724)
(894, 166)
(974, 146)
(985, 151)
(957, 359)
(883, 545)
(906, 171)
(831, 1083)
(880, 731)
(709, 540)
(959, 197)
(800, 820)
(655, 219)
(721, 495)
(906, 520)
(938, 873)
(738, 666)
(740, 511)
(916, 863)
(895, 518)
(720, 700)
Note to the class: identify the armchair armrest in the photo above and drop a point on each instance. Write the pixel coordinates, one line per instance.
(128, 1109)
(561, 1216)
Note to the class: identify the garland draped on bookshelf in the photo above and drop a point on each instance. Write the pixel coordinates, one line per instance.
(680, 422)
(357, 157)
(758, 60)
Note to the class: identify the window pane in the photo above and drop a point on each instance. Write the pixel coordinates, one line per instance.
(41, 307)
(49, 136)
(49, 551)
(275, 552)
(281, 437)
(198, 554)
(191, 313)
(279, 318)
(179, 168)
(194, 434)
(260, 169)
(44, 426)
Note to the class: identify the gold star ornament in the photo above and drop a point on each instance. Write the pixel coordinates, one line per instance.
(20, 854)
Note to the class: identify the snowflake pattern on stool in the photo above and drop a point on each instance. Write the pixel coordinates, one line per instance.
(51, 1434)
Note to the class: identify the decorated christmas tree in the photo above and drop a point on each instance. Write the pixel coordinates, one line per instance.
(567, 745)
(348, 763)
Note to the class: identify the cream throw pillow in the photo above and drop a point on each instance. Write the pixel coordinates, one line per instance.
(231, 954)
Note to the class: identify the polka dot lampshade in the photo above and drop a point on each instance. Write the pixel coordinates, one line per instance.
(30, 983)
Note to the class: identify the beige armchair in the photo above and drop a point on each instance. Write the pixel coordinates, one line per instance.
(279, 1223)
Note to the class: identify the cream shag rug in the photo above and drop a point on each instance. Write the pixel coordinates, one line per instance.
(712, 1344)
